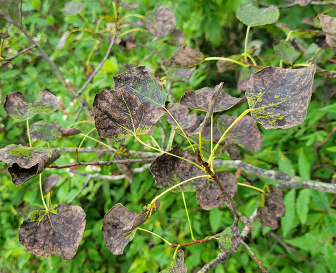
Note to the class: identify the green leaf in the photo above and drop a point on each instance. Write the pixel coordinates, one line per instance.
(304, 166)
(143, 85)
(252, 16)
(321, 199)
(331, 149)
(307, 242)
(302, 207)
(279, 98)
(287, 221)
(17, 108)
(215, 216)
(12, 9)
(286, 52)
(73, 8)
(330, 222)
(229, 239)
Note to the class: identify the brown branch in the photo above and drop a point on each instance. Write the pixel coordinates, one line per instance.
(252, 65)
(230, 203)
(18, 54)
(102, 62)
(107, 163)
(254, 256)
(319, 144)
(51, 62)
(197, 241)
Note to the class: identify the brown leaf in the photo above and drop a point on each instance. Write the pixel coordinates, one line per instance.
(59, 233)
(70, 132)
(206, 195)
(278, 97)
(120, 223)
(325, 73)
(244, 133)
(270, 207)
(51, 181)
(119, 115)
(185, 57)
(244, 76)
(169, 170)
(230, 148)
(180, 75)
(179, 266)
(126, 168)
(17, 108)
(126, 5)
(145, 86)
(229, 240)
(224, 66)
(208, 99)
(160, 22)
(329, 27)
(180, 114)
(303, 3)
(27, 162)
(177, 37)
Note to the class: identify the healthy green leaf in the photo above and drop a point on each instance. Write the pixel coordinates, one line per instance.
(330, 222)
(287, 221)
(304, 165)
(252, 16)
(215, 216)
(302, 207)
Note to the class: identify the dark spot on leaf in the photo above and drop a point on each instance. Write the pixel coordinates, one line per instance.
(270, 207)
(279, 98)
(169, 170)
(60, 233)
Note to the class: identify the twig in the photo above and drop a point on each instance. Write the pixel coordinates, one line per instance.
(107, 151)
(289, 4)
(107, 163)
(254, 256)
(18, 54)
(80, 191)
(53, 65)
(319, 144)
(286, 181)
(230, 203)
(197, 241)
(169, 92)
(78, 112)
(171, 139)
(252, 65)
(102, 62)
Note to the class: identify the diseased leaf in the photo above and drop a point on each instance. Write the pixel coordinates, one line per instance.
(244, 76)
(302, 204)
(206, 195)
(325, 73)
(207, 98)
(252, 16)
(286, 52)
(245, 132)
(177, 37)
(120, 223)
(181, 115)
(279, 98)
(62, 40)
(17, 108)
(145, 86)
(229, 239)
(303, 3)
(180, 75)
(287, 221)
(73, 8)
(230, 148)
(27, 162)
(270, 207)
(58, 230)
(329, 27)
(169, 170)
(185, 57)
(126, 168)
(51, 181)
(119, 115)
(224, 66)
(160, 22)
(11, 8)
(179, 266)
(50, 131)
(46, 131)
(302, 33)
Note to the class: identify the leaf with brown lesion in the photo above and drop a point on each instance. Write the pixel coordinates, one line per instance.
(17, 108)
(57, 230)
(119, 115)
(120, 224)
(179, 265)
(229, 240)
(278, 97)
(181, 115)
(270, 207)
(328, 24)
(206, 195)
(185, 57)
(160, 22)
(27, 162)
(51, 181)
(180, 74)
(169, 170)
(245, 133)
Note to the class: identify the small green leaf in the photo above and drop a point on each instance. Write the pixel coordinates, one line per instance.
(215, 216)
(252, 16)
(302, 207)
(304, 166)
(330, 222)
(321, 199)
(286, 52)
(331, 149)
(287, 221)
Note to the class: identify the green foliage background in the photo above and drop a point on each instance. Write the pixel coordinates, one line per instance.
(305, 240)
